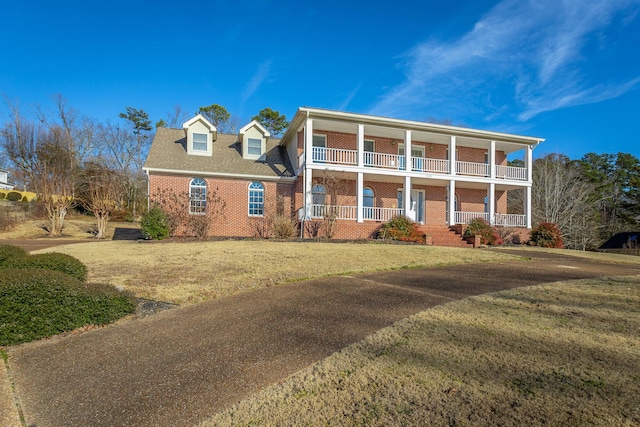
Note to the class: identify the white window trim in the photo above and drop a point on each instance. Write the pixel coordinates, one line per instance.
(249, 190)
(191, 212)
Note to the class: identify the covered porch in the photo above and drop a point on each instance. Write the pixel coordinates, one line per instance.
(361, 197)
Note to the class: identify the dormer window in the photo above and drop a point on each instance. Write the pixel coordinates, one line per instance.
(200, 142)
(254, 147)
(253, 140)
(200, 135)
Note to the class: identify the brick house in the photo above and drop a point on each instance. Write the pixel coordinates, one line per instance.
(354, 170)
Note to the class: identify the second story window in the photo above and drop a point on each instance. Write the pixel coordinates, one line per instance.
(254, 147)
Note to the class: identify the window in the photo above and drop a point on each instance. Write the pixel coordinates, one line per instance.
(318, 196)
(368, 202)
(197, 196)
(256, 199)
(254, 147)
(369, 149)
(319, 148)
(320, 141)
(200, 142)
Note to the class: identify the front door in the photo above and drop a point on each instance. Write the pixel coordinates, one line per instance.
(416, 212)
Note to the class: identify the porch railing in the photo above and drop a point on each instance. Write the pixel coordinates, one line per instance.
(471, 168)
(511, 172)
(510, 220)
(383, 160)
(418, 164)
(335, 156)
(350, 212)
(423, 164)
(466, 217)
(499, 219)
(381, 214)
(336, 212)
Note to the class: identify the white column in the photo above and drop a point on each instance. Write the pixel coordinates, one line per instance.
(359, 192)
(407, 150)
(527, 206)
(452, 203)
(361, 145)
(406, 195)
(308, 197)
(492, 159)
(528, 163)
(452, 155)
(491, 203)
(308, 142)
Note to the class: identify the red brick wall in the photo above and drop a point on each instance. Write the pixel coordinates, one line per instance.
(235, 219)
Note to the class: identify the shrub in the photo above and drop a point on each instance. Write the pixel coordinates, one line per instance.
(401, 228)
(488, 234)
(2, 195)
(9, 252)
(36, 303)
(14, 196)
(284, 227)
(154, 224)
(51, 261)
(546, 235)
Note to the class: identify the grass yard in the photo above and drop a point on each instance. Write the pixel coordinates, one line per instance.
(186, 272)
(565, 353)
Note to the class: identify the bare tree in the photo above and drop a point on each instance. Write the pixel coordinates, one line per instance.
(98, 190)
(47, 161)
(560, 195)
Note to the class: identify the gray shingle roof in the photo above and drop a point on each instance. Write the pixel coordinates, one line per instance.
(169, 152)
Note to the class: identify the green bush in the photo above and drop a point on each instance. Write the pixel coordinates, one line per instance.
(51, 261)
(546, 235)
(9, 252)
(36, 303)
(14, 196)
(488, 234)
(2, 195)
(155, 224)
(401, 228)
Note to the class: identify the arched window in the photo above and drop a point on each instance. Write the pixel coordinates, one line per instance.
(368, 202)
(197, 196)
(256, 199)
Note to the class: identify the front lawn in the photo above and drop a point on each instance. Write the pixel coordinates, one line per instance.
(185, 272)
(565, 353)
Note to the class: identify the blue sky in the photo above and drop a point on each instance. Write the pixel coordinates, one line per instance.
(564, 70)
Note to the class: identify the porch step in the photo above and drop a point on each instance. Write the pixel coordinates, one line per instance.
(442, 235)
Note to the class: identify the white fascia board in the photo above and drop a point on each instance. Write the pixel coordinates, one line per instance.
(417, 126)
(220, 174)
(256, 124)
(199, 117)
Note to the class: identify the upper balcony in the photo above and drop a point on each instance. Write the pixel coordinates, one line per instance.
(342, 157)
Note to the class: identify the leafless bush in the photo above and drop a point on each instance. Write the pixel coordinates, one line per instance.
(284, 227)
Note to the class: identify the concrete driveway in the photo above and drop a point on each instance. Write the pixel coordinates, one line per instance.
(181, 366)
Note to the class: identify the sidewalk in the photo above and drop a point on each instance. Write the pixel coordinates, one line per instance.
(181, 366)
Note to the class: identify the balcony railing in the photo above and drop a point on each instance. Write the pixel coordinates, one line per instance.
(466, 217)
(511, 172)
(383, 160)
(418, 164)
(473, 169)
(423, 164)
(335, 156)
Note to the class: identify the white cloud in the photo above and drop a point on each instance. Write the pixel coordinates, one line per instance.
(529, 55)
(345, 103)
(258, 78)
